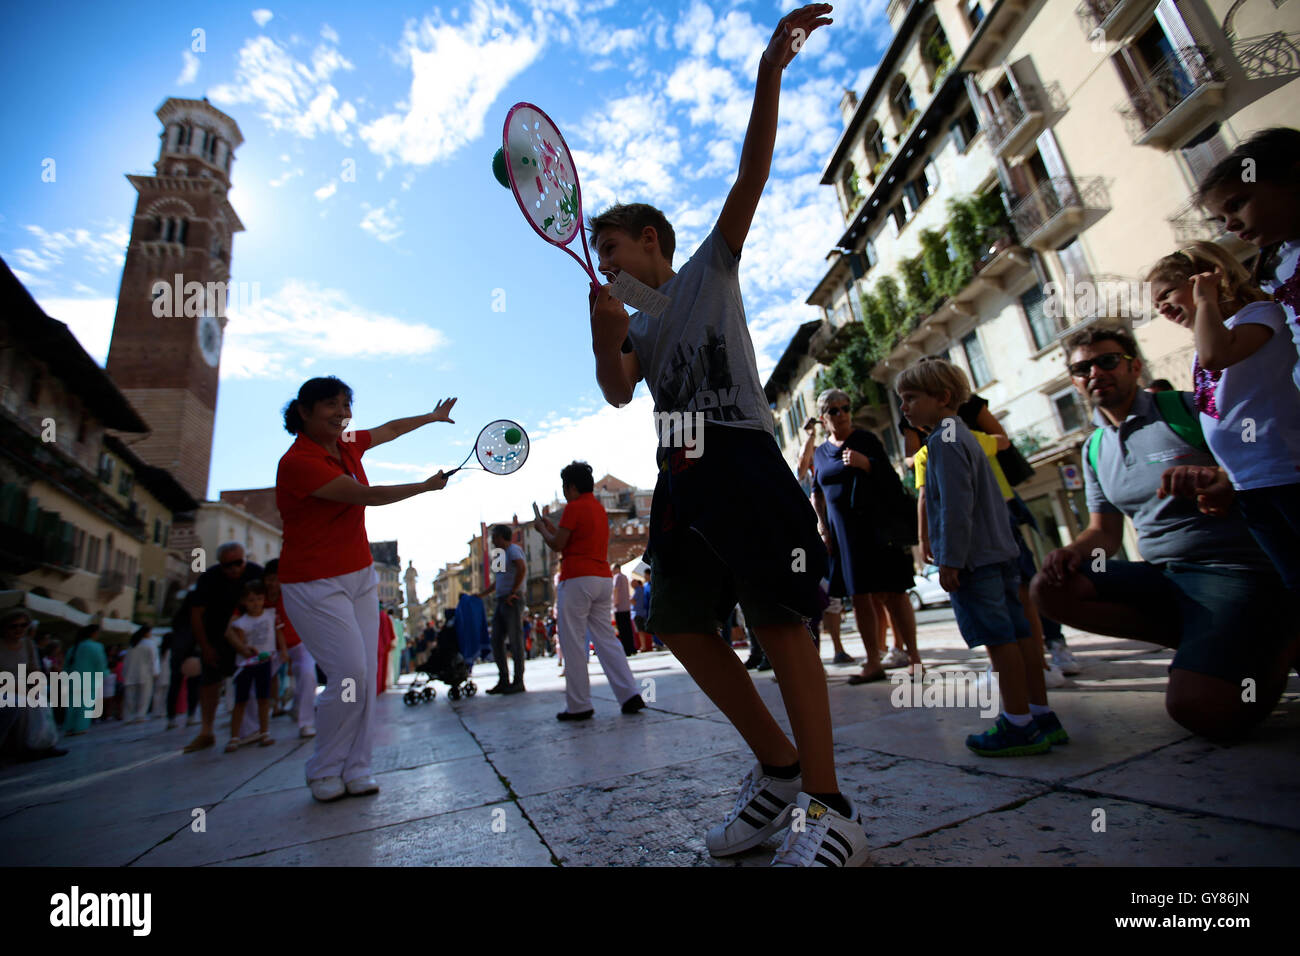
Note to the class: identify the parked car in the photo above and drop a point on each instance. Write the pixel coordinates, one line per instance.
(927, 592)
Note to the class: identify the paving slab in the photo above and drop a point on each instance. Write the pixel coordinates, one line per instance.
(1057, 830)
(1257, 779)
(83, 833)
(280, 818)
(1105, 728)
(493, 835)
(586, 754)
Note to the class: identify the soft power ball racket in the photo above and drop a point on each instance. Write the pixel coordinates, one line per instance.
(501, 448)
(544, 180)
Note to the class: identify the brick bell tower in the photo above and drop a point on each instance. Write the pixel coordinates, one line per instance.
(166, 347)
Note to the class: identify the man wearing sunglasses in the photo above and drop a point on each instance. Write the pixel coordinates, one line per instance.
(215, 597)
(1203, 588)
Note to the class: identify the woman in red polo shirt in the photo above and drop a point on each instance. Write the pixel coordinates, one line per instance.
(584, 595)
(327, 581)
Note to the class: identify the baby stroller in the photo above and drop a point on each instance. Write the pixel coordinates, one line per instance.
(444, 663)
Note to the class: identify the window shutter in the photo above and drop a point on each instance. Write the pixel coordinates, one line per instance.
(1051, 155)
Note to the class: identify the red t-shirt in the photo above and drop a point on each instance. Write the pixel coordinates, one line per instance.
(584, 555)
(322, 539)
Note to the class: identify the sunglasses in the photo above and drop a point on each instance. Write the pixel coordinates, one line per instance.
(1107, 362)
(838, 410)
(232, 564)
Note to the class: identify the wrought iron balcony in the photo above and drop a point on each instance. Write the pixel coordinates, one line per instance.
(1015, 122)
(1111, 19)
(1058, 206)
(1176, 99)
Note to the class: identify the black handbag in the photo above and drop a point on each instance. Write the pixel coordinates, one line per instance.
(879, 499)
(1014, 466)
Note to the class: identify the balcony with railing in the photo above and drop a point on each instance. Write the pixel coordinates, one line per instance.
(1059, 207)
(1015, 123)
(111, 583)
(1112, 20)
(1177, 99)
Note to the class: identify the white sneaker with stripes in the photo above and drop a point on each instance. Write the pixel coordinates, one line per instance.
(819, 836)
(760, 812)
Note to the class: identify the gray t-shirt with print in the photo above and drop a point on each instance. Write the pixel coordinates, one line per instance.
(1131, 460)
(698, 356)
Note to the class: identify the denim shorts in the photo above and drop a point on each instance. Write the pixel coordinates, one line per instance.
(987, 605)
(1273, 516)
(1223, 622)
(253, 677)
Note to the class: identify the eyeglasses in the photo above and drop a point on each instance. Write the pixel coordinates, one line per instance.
(1107, 362)
(232, 564)
(838, 410)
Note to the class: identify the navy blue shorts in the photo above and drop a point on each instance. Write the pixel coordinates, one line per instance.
(1223, 622)
(1273, 516)
(256, 676)
(987, 605)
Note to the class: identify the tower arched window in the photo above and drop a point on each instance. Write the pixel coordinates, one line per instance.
(184, 230)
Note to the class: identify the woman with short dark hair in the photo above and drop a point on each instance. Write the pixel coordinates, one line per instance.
(327, 577)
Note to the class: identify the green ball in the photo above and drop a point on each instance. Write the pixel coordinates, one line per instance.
(513, 435)
(499, 168)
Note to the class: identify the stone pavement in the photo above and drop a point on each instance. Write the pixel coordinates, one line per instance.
(496, 781)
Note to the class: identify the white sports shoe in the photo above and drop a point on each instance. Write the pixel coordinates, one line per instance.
(759, 813)
(1053, 677)
(326, 789)
(823, 837)
(1064, 660)
(895, 658)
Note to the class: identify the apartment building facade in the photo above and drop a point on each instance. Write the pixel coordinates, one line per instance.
(1008, 158)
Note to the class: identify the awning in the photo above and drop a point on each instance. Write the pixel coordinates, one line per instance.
(636, 568)
(49, 611)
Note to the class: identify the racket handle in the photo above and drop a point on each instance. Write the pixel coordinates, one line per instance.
(453, 471)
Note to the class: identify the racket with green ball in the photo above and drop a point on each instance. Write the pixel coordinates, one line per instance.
(501, 449)
(535, 164)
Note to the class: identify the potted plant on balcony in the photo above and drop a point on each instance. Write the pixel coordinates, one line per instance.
(939, 53)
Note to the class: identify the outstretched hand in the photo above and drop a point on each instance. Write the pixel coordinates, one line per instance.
(793, 32)
(442, 412)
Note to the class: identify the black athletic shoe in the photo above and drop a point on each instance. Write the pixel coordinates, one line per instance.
(499, 689)
(633, 704)
(512, 689)
(581, 715)
(764, 665)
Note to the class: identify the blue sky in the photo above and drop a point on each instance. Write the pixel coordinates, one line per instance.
(387, 278)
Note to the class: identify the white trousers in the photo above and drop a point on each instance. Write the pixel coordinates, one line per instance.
(584, 612)
(338, 620)
(138, 695)
(304, 685)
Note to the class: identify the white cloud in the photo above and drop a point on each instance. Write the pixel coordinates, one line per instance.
(382, 222)
(272, 336)
(329, 34)
(713, 94)
(190, 70)
(90, 319)
(616, 441)
(695, 30)
(326, 191)
(104, 248)
(740, 41)
(457, 72)
(635, 153)
(262, 17)
(292, 95)
(284, 177)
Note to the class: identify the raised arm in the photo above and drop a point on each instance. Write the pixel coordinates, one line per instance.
(760, 137)
(617, 372)
(400, 426)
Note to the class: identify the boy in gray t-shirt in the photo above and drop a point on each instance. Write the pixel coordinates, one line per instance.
(728, 522)
(976, 554)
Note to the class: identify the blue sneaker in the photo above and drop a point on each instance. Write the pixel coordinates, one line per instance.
(1051, 727)
(1005, 739)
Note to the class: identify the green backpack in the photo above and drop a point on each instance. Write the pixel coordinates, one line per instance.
(1175, 414)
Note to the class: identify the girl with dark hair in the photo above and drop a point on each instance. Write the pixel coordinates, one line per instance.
(1255, 192)
(88, 659)
(327, 579)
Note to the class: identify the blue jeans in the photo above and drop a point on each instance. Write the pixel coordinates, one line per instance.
(987, 605)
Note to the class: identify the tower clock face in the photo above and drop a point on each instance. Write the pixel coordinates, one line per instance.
(209, 332)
